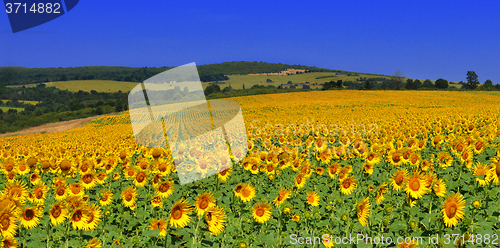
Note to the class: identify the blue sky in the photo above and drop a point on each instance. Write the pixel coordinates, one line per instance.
(424, 39)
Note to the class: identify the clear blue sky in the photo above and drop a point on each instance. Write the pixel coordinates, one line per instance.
(425, 39)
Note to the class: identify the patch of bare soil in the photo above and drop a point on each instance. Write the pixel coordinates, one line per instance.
(54, 127)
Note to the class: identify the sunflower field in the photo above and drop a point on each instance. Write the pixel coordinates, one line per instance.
(320, 166)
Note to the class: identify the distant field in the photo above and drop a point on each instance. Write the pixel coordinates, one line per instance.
(48, 84)
(5, 109)
(24, 101)
(97, 85)
(88, 85)
(237, 81)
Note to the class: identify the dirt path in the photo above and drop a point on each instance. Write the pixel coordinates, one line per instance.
(54, 127)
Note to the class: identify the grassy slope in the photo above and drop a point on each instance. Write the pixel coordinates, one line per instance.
(97, 85)
(5, 109)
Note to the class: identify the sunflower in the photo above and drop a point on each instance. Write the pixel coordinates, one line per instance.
(262, 212)
(313, 198)
(440, 188)
(76, 189)
(296, 218)
(482, 170)
(203, 202)
(399, 179)
(215, 218)
(58, 213)
(453, 209)
(237, 189)
(94, 216)
(348, 185)
(30, 217)
(416, 186)
(333, 169)
(61, 192)
(300, 181)
(363, 210)
(16, 190)
(380, 192)
(247, 193)
(129, 196)
(160, 225)
(224, 175)
(495, 170)
(368, 168)
(88, 180)
(141, 178)
(283, 194)
(8, 220)
(79, 218)
(395, 157)
(101, 178)
(8, 242)
(93, 243)
(179, 215)
(40, 193)
(105, 198)
(22, 167)
(165, 189)
(479, 147)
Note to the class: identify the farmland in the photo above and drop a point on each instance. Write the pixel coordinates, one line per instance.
(392, 163)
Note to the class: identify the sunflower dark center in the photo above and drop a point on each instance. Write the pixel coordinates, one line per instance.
(452, 210)
(204, 203)
(77, 216)
(260, 212)
(415, 185)
(56, 211)
(128, 196)
(87, 178)
(177, 213)
(29, 214)
(5, 221)
(245, 193)
(399, 179)
(346, 184)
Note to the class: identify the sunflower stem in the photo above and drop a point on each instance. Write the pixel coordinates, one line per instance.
(21, 235)
(48, 233)
(196, 232)
(67, 234)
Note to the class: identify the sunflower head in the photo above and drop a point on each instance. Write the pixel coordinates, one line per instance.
(179, 216)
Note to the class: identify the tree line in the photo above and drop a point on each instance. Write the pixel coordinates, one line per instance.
(207, 73)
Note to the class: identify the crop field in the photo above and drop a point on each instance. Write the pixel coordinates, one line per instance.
(237, 81)
(5, 109)
(24, 101)
(320, 166)
(97, 85)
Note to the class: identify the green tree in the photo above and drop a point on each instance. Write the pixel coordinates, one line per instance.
(410, 84)
(472, 81)
(441, 83)
(427, 84)
(488, 84)
(368, 85)
(212, 89)
(417, 83)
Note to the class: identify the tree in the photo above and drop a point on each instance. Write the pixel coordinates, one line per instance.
(472, 81)
(417, 84)
(269, 80)
(397, 79)
(243, 86)
(488, 84)
(368, 85)
(212, 89)
(427, 84)
(441, 83)
(410, 84)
